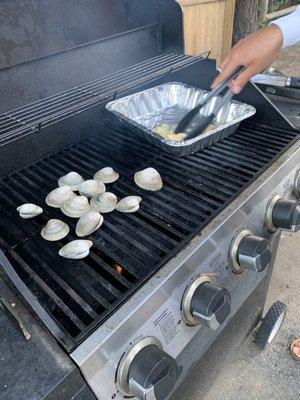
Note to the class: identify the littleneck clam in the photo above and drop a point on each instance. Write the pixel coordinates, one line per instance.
(59, 195)
(55, 229)
(75, 207)
(91, 188)
(104, 203)
(76, 249)
(29, 210)
(148, 179)
(129, 204)
(72, 179)
(88, 223)
(106, 175)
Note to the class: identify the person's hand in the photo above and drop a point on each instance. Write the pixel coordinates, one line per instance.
(256, 52)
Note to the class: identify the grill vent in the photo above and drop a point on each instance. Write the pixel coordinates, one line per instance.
(128, 249)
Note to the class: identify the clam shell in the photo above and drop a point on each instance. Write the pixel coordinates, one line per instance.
(76, 249)
(129, 204)
(91, 188)
(106, 175)
(88, 223)
(75, 207)
(148, 179)
(72, 179)
(104, 203)
(29, 210)
(55, 229)
(59, 195)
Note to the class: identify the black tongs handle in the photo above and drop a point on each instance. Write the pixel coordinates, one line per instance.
(206, 121)
(186, 120)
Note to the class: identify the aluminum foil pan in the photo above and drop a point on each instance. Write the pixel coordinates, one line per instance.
(167, 104)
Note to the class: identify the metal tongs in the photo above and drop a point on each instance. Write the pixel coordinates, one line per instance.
(206, 120)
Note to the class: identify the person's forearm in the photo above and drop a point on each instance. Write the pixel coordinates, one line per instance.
(258, 50)
(290, 27)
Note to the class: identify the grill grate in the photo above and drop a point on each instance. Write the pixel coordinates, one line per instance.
(128, 249)
(27, 119)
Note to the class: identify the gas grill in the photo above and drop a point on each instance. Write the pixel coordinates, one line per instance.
(125, 314)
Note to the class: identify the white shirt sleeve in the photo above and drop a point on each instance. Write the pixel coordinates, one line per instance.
(290, 27)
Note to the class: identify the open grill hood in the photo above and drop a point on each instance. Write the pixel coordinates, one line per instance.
(53, 120)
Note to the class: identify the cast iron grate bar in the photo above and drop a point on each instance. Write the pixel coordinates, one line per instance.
(29, 119)
(78, 295)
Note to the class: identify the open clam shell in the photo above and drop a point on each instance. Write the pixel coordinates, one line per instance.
(72, 179)
(59, 195)
(129, 204)
(148, 179)
(91, 188)
(55, 229)
(75, 207)
(106, 175)
(29, 210)
(76, 249)
(88, 223)
(104, 203)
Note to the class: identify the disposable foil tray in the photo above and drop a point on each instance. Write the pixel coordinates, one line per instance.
(167, 104)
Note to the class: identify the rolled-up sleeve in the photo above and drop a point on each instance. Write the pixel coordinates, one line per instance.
(290, 27)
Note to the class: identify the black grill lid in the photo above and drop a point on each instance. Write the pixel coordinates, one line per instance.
(48, 47)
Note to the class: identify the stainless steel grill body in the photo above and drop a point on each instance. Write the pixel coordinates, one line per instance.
(132, 283)
(99, 355)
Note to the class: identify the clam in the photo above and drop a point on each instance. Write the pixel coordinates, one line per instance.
(88, 223)
(75, 207)
(106, 175)
(76, 249)
(129, 204)
(148, 179)
(91, 188)
(59, 195)
(29, 210)
(104, 203)
(55, 229)
(72, 179)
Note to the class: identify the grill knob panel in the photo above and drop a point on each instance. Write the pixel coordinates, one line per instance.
(250, 252)
(147, 372)
(205, 303)
(286, 215)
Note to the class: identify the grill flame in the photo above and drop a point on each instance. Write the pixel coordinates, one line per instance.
(119, 269)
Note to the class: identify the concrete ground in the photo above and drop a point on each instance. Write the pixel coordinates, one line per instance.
(251, 374)
(288, 61)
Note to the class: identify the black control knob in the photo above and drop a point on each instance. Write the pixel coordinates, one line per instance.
(254, 253)
(153, 374)
(147, 372)
(206, 303)
(250, 252)
(297, 184)
(286, 215)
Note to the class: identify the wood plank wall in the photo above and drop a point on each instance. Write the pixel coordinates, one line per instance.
(208, 26)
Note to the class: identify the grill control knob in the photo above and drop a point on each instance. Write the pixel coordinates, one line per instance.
(146, 371)
(205, 303)
(250, 252)
(283, 214)
(297, 184)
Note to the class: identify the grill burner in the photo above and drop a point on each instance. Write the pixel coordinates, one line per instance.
(128, 249)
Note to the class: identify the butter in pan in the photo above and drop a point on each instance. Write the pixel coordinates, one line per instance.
(154, 113)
